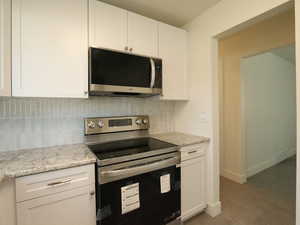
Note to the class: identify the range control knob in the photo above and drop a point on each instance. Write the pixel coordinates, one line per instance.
(91, 124)
(145, 121)
(138, 121)
(100, 124)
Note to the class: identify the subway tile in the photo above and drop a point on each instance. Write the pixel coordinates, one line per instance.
(43, 122)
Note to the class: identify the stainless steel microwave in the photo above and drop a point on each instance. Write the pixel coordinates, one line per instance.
(119, 73)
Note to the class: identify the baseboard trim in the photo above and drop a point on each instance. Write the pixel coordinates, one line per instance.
(239, 178)
(271, 162)
(194, 211)
(214, 209)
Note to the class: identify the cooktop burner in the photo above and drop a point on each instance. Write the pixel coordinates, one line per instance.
(134, 148)
(128, 147)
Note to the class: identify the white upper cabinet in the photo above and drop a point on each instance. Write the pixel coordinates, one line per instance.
(118, 29)
(172, 50)
(108, 26)
(142, 35)
(5, 49)
(50, 48)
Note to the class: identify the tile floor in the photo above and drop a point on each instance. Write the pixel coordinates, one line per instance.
(268, 198)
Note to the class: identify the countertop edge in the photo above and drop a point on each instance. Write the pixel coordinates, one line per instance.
(49, 169)
(7, 176)
(194, 143)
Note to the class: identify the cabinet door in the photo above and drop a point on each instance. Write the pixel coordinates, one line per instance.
(5, 47)
(193, 188)
(108, 26)
(75, 207)
(50, 48)
(172, 49)
(142, 35)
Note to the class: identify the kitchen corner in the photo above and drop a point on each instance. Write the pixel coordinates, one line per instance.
(76, 143)
(103, 104)
(30, 174)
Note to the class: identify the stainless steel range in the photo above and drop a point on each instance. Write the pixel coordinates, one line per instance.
(138, 176)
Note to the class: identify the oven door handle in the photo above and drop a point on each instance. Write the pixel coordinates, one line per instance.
(153, 73)
(142, 168)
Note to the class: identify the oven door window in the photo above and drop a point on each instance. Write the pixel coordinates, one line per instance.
(155, 207)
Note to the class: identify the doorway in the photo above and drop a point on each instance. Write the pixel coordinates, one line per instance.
(258, 122)
(268, 96)
(273, 33)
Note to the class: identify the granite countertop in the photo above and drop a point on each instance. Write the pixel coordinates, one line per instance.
(32, 161)
(180, 139)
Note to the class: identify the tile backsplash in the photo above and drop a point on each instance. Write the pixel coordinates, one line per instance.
(41, 122)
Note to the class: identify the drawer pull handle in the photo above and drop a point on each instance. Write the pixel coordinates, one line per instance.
(59, 183)
(192, 152)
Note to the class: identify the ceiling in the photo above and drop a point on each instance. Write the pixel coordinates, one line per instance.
(288, 53)
(174, 12)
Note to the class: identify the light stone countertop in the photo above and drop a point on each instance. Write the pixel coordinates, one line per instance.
(180, 139)
(32, 161)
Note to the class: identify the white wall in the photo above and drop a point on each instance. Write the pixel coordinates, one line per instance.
(41, 122)
(202, 68)
(269, 101)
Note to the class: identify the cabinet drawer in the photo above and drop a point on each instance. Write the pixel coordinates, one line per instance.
(30, 187)
(73, 207)
(193, 151)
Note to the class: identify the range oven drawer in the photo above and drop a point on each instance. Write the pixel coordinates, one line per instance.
(152, 203)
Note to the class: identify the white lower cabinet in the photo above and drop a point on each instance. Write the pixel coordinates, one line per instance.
(193, 183)
(65, 198)
(75, 207)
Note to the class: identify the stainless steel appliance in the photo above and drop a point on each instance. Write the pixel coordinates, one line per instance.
(119, 73)
(138, 177)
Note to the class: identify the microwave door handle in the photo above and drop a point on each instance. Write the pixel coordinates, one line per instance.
(153, 75)
(141, 168)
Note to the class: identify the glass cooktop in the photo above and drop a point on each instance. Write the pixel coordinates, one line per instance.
(129, 147)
